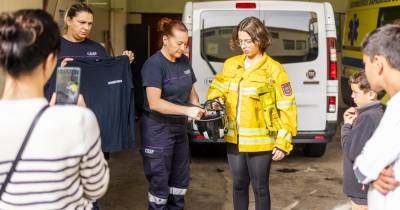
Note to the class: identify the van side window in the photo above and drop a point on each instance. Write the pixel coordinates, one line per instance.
(216, 43)
(294, 36)
(388, 15)
(301, 44)
(288, 44)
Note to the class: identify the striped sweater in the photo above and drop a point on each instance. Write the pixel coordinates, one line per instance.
(62, 166)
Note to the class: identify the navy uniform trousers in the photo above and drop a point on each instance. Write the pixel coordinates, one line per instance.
(165, 151)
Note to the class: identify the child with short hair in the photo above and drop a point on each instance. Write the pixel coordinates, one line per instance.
(359, 124)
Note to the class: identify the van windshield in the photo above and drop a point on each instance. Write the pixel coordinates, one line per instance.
(294, 36)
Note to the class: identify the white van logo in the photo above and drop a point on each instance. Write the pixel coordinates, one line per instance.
(187, 71)
(311, 74)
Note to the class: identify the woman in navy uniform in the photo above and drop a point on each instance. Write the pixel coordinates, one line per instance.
(168, 82)
(76, 43)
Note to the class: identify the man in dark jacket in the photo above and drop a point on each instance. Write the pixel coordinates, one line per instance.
(359, 124)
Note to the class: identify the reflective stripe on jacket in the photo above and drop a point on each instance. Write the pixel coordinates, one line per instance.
(253, 133)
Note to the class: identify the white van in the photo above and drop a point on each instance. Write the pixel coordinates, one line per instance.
(303, 40)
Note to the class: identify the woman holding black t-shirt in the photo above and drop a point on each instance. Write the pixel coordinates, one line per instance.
(75, 43)
(168, 82)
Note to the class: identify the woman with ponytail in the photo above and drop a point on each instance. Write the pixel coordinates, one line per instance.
(168, 84)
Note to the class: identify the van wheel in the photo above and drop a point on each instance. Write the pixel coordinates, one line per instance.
(314, 150)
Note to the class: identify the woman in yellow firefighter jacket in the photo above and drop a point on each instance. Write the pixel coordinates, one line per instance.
(261, 110)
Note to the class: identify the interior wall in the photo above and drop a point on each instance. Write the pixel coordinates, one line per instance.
(118, 31)
(58, 9)
(12, 5)
(101, 25)
(134, 18)
(156, 6)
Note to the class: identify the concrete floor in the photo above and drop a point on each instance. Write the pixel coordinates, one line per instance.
(297, 183)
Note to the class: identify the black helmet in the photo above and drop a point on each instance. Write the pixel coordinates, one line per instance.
(212, 125)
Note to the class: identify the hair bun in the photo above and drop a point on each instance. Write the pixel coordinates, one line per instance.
(8, 28)
(27, 37)
(163, 24)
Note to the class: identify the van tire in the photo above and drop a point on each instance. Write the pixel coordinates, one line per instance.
(314, 150)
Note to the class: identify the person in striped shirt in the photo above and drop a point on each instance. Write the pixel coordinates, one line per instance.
(62, 166)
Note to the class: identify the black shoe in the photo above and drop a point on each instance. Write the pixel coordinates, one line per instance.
(106, 155)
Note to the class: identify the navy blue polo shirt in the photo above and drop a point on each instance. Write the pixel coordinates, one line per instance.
(106, 85)
(175, 79)
(84, 49)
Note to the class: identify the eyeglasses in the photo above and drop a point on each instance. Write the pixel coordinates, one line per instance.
(246, 42)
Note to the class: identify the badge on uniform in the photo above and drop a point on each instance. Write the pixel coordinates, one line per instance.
(286, 89)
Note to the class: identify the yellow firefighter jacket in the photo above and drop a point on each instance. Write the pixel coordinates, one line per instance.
(268, 115)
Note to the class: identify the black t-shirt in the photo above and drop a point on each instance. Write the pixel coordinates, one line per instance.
(175, 79)
(106, 85)
(84, 49)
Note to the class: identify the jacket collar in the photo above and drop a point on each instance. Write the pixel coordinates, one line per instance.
(372, 105)
(259, 65)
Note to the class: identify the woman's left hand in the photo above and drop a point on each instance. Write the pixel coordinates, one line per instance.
(81, 101)
(277, 154)
(130, 55)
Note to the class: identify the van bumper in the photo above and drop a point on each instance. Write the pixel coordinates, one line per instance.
(315, 137)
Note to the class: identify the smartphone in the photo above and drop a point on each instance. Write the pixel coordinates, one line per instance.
(67, 85)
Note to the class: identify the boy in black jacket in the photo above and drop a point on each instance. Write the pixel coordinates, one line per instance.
(359, 124)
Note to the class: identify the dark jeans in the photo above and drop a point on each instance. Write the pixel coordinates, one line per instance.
(249, 167)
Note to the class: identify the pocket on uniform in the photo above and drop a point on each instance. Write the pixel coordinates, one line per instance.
(257, 78)
(153, 160)
(268, 103)
(267, 95)
(258, 87)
